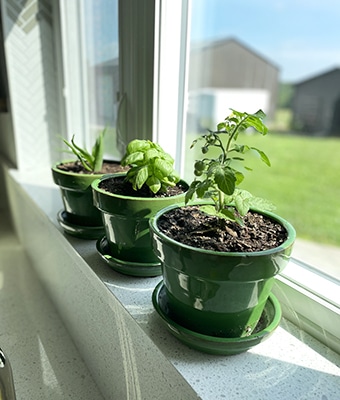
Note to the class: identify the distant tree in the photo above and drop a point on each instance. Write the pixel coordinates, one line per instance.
(285, 95)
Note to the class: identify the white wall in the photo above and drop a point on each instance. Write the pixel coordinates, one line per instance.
(29, 43)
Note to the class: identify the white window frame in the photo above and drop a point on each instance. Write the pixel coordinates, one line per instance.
(74, 77)
(172, 29)
(314, 304)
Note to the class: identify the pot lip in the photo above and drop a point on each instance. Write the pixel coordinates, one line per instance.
(96, 182)
(69, 173)
(286, 244)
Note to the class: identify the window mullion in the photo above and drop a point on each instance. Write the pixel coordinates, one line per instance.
(74, 70)
(170, 88)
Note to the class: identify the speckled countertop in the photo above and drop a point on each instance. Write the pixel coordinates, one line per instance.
(44, 359)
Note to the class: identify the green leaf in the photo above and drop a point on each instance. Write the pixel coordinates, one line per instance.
(84, 153)
(256, 123)
(203, 188)
(221, 126)
(150, 154)
(98, 151)
(239, 148)
(208, 209)
(261, 204)
(133, 158)
(242, 200)
(260, 114)
(78, 153)
(263, 156)
(141, 177)
(162, 167)
(237, 113)
(167, 157)
(76, 147)
(154, 184)
(191, 191)
(225, 180)
(239, 177)
(137, 145)
(213, 167)
(174, 177)
(227, 213)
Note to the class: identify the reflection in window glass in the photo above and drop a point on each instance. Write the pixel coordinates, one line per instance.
(260, 54)
(102, 61)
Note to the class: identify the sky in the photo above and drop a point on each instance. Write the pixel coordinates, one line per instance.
(301, 37)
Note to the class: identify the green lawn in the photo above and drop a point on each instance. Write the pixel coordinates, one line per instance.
(303, 181)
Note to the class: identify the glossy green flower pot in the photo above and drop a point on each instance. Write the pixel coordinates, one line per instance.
(218, 293)
(76, 195)
(126, 222)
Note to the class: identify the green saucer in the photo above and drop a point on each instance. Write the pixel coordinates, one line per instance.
(79, 231)
(269, 321)
(126, 267)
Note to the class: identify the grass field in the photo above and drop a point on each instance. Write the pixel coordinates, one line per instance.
(303, 181)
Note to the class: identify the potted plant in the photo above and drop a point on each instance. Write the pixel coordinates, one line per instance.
(221, 253)
(74, 177)
(128, 201)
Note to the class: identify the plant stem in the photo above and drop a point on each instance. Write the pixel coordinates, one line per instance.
(232, 136)
(220, 200)
(220, 145)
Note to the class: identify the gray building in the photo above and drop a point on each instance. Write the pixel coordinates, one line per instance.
(316, 104)
(230, 64)
(218, 71)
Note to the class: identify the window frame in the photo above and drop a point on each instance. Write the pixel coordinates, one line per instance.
(317, 313)
(74, 94)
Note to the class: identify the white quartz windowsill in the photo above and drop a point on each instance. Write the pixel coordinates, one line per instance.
(290, 364)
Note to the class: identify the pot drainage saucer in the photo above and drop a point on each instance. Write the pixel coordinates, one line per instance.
(79, 231)
(127, 267)
(269, 321)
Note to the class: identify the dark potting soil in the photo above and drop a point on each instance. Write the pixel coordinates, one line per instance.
(190, 226)
(109, 167)
(118, 185)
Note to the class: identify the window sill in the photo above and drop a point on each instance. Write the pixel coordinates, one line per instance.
(123, 341)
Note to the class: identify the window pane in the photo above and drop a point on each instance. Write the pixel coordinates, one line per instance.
(102, 68)
(254, 55)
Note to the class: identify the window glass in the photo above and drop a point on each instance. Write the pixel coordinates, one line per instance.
(101, 49)
(282, 57)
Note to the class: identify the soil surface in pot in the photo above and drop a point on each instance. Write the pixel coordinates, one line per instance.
(190, 226)
(109, 167)
(118, 185)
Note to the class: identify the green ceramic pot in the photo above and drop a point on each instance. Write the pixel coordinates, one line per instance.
(218, 293)
(126, 222)
(76, 194)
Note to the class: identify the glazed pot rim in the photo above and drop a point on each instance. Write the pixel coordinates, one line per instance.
(286, 244)
(96, 182)
(70, 173)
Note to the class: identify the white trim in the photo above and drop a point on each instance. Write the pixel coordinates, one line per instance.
(171, 44)
(74, 89)
(310, 300)
(313, 280)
